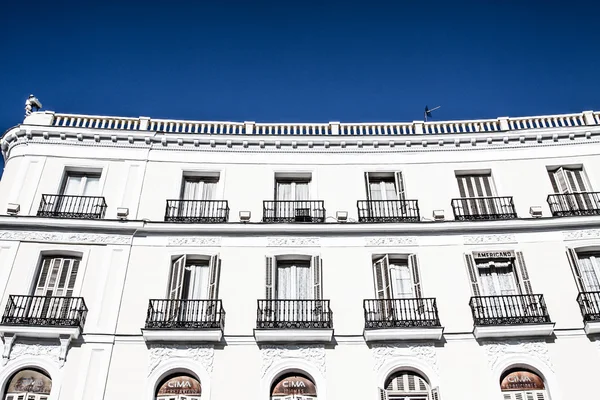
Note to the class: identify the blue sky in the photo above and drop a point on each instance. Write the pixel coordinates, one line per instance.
(300, 61)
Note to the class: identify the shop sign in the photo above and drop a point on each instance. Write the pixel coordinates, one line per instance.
(30, 381)
(294, 385)
(180, 385)
(522, 380)
(494, 254)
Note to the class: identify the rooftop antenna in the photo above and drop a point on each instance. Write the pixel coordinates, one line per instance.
(428, 111)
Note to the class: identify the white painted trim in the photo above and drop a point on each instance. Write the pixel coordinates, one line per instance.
(47, 366)
(186, 335)
(502, 331)
(508, 361)
(174, 366)
(293, 335)
(284, 366)
(407, 363)
(373, 335)
(40, 331)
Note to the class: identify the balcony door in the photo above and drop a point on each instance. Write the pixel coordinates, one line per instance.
(55, 282)
(197, 193)
(473, 187)
(384, 189)
(589, 271)
(572, 183)
(76, 185)
(293, 199)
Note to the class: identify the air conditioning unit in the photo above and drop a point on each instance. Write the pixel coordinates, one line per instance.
(535, 211)
(302, 215)
(245, 216)
(341, 216)
(13, 208)
(122, 212)
(438, 215)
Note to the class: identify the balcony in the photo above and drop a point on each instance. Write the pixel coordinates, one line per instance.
(574, 204)
(508, 316)
(44, 316)
(294, 321)
(589, 303)
(402, 319)
(184, 320)
(66, 206)
(197, 211)
(388, 211)
(483, 208)
(311, 211)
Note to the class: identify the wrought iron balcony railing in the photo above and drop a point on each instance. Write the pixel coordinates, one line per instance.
(293, 211)
(401, 313)
(185, 314)
(199, 211)
(589, 303)
(509, 310)
(388, 211)
(294, 314)
(67, 206)
(572, 204)
(45, 311)
(483, 208)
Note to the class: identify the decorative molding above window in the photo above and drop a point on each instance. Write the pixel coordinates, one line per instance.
(384, 352)
(312, 354)
(484, 239)
(194, 241)
(202, 354)
(582, 234)
(391, 241)
(496, 351)
(293, 241)
(71, 238)
(51, 352)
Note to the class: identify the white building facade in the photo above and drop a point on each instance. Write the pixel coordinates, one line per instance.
(161, 259)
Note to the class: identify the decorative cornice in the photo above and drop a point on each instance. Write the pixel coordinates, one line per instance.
(391, 241)
(385, 352)
(293, 241)
(201, 354)
(496, 351)
(582, 234)
(312, 354)
(212, 241)
(63, 237)
(485, 239)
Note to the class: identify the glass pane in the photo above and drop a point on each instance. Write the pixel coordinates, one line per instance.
(73, 185)
(302, 191)
(92, 186)
(303, 286)
(390, 191)
(375, 188)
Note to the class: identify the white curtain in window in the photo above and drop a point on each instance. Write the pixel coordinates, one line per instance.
(82, 185)
(198, 189)
(590, 266)
(497, 279)
(390, 191)
(293, 282)
(375, 189)
(198, 278)
(284, 191)
(301, 191)
(402, 281)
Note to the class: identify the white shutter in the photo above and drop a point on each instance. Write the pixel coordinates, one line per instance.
(381, 271)
(472, 274)
(317, 273)
(57, 276)
(270, 277)
(574, 263)
(413, 264)
(368, 185)
(176, 279)
(522, 272)
(560, 179)
(382, 394)
(214, 275)
(435, 394)
(399, 180)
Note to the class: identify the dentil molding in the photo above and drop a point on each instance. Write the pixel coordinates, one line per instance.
(496, 351)
(203, 355)
(312, 354)
(582, 234)
(194, 241)
(385, 352)
(390, 241)
(63, 237)
(485, 239)
(293, 241)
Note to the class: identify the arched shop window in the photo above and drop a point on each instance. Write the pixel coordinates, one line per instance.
(179, 387)
(28, 384)
(521, 384)
(408, 385)
(293, 387)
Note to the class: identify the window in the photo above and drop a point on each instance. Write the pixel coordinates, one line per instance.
(520, 384)
(498, 273)
(293, 278)
(57, 276)
(292, 188)
(408, 385)
(179, 387)
(385, 185)
(475, 184)
(199, 187)
(293, 387)
(397, 277)
(194, 278)
(29, 384)
(81, 184)
(586, 269)
(568, 180)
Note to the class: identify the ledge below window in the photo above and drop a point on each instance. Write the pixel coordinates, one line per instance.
(378, 335)
(182, 335)
(524, 330)
(293, 335)
(50, 332)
